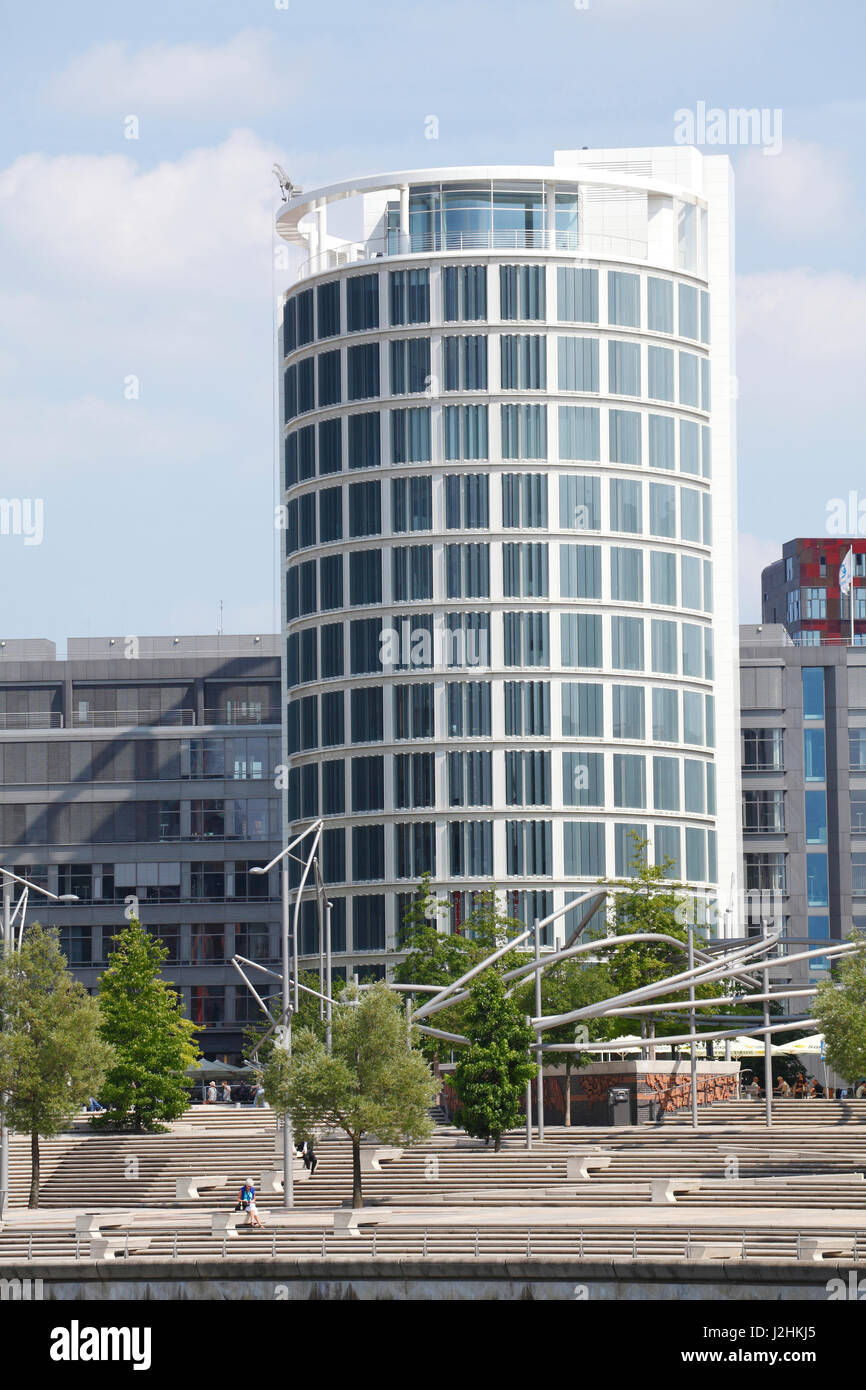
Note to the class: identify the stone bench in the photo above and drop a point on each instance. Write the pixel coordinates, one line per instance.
(373, 1158)
(577, 1166)
(272, 1178)
(189, 1187)
(350, 1219)
(819, 1247)
(90, 1223)
(225, 1223)
(109, 1247)
(663, 1190)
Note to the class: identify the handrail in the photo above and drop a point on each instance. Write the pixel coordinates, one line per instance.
(395, 244)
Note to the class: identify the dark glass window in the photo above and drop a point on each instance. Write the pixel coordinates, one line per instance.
(362, 303)
(328, 297)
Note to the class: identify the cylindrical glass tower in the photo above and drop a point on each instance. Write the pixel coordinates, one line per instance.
(507, 423)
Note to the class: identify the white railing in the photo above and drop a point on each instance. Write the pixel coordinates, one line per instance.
(494, 239)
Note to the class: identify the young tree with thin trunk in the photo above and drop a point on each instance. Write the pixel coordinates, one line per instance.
(52, 1057)
(374, 1082)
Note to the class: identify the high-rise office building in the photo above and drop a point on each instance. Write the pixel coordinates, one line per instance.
(139, 775)
(509, 486)
(804, 806)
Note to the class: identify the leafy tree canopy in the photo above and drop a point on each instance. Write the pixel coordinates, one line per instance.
(142, 1019)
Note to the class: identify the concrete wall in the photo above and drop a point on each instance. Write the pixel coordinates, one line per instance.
(363, 1280)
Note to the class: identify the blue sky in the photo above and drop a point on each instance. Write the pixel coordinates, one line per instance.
(152, 258)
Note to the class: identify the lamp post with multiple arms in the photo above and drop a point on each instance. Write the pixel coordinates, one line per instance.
(290, 998)
(6, 946)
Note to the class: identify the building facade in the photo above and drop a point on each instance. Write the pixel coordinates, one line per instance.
(801, 591)
(509, 492)
(803, 717)
(140, 774)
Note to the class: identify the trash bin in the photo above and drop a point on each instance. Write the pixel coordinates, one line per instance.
(618, 1106)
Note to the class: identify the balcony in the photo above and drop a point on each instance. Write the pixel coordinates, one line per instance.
(34, 719)
(139, 718)
(130, 718)
(472, 240)
(253, 715)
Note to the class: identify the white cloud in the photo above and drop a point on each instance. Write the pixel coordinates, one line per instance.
(755, 554)
(203, 222)
(237, 79)
(798, 193)
(801, 428)
(802, 340)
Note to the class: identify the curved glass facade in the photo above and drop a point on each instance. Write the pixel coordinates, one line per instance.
(499, 583)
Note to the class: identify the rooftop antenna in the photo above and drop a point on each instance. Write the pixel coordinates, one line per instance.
(287, 188)
(220, 628)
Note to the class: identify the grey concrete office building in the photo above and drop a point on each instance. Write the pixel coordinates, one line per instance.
(141, 772)
(803, 712)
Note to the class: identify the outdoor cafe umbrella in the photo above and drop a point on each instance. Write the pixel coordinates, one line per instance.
(212, 1071)
(750, 1047)
(813, 1044)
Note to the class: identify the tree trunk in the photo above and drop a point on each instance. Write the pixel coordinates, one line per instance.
(357, 1197)
(567, 1094)
(34, 1169)
(497, 1143)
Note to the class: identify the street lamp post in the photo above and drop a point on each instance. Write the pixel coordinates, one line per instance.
(6, 946)
(290, 1004)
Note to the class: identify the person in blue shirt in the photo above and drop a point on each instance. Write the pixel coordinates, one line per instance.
(248, 1202)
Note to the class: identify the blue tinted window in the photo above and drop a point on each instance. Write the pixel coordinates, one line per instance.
(813, 692)
(817, 882)
(816, 818)
(813, 755)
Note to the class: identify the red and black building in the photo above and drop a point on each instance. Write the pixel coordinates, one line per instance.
(801, 591)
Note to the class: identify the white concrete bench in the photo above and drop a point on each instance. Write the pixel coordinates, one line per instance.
(272, 1178)
(809, 1179)
(225, 1223)
(90, 1223)
(819, 1247)
(350, 1219)
(373, 1158)
(577, 1166)
(109, 1247)
(663, 1190)
(189, 1187)
(719, 1251)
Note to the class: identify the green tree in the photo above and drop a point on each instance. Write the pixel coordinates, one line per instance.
(840, 1008)
(438, 957)
(52, 1057)
(648, 901)
(491, 1074)
(306, 1017)
(567, 985)
(372, 1083)
(142, 1018)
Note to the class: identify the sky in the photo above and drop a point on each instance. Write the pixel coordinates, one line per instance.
(137, 279)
